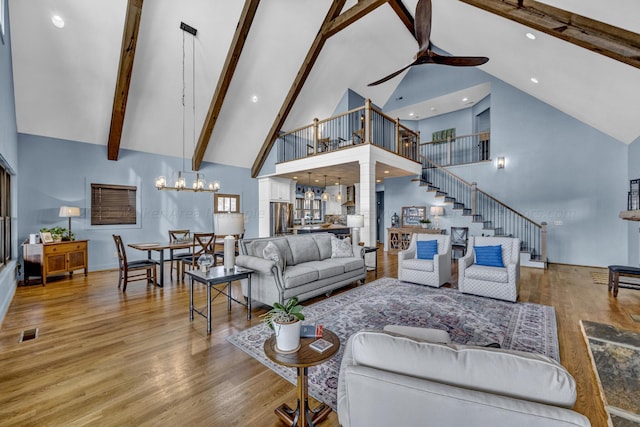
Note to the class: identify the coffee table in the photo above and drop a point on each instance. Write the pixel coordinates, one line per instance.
(302, 416)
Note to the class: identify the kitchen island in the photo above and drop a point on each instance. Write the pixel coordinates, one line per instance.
(341, 231)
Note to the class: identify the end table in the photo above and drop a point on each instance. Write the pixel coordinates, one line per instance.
(302, 416)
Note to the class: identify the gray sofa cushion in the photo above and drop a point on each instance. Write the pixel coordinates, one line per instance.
(256, 248)
(483, 272)
(341, 248)
(296, 275)
(325, 268)
(272, 252)
(324, 244)
(303, 249)
(349, 264)
(418, 264)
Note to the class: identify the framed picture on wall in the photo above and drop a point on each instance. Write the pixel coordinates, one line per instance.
(45, 236)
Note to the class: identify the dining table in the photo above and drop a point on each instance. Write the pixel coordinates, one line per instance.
(161, 247)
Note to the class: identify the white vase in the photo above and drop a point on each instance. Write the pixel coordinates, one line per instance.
(287, 336)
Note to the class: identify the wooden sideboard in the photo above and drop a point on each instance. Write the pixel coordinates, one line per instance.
(398, 238)
(43, 260)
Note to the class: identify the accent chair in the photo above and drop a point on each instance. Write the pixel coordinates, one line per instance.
(419, 264)
(490, 268)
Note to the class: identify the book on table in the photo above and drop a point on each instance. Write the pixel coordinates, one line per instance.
(311, 331)
(321, 345)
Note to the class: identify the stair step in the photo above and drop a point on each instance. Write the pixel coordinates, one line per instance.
(440, 193)
(458, 205)
(477, 218)
(432, 187)
(449, 199)
(466, 212)
(487, 225)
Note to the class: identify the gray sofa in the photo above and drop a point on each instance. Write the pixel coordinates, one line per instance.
(307, 266)
(408, 380)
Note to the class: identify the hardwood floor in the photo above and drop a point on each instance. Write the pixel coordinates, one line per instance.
(107, 358)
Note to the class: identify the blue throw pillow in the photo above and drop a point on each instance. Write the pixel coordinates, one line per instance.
(427, 249)
(491, 256)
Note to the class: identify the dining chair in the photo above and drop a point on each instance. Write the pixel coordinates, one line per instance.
(179, 236)
(459, 239)
(203, 243)
(125, 267)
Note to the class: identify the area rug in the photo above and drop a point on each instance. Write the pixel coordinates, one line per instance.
(615, 355)
(468, 319)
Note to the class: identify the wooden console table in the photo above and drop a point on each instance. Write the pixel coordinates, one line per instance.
(54, 258)
(398, 238)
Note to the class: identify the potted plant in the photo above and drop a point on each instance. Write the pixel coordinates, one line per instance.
(424, 223)
(59, 233)
(285, 322)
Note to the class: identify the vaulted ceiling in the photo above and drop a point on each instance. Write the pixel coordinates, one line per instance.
(65, 79)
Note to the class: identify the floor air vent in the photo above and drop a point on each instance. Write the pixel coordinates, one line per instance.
(29, 334)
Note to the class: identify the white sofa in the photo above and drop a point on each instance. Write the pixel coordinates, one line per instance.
(308, 266)
(387, 379)
(428, 272)
(493, 282)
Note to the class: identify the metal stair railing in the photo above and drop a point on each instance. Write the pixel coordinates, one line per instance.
(494, 215)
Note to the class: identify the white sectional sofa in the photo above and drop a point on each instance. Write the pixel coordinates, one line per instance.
(307, 265)
(388, 379)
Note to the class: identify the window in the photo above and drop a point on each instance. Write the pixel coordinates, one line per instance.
(113, 204)
(226, 203)
(5, 216)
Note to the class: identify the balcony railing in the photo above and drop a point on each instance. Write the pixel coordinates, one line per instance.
(458, 150)
(363, 125)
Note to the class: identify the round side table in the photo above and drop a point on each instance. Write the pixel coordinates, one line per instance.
(302, 416)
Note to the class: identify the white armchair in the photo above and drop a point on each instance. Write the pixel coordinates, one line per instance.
(489, 281)
(428, 272)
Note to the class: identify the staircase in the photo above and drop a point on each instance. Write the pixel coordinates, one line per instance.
(495, 217)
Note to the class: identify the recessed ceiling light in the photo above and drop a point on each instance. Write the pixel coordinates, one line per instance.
(531, 36)
(317, 180)
(433, 109)
(378, 180)
(410, 114)
(534, 80)
(295, 177)
(254, 98)
(465, 99)
(386, 171)
(57, 21)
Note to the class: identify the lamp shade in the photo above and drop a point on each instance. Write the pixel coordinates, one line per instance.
(69, 211)
(228, 224)
(355, 221)
(436, 210)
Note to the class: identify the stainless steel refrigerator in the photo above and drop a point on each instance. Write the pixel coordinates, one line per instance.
(281, 218)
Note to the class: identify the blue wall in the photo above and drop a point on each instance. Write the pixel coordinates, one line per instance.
(61, 173)
(9, 158)
(558, 169)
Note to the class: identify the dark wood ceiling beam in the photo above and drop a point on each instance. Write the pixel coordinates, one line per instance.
(229, 67)
(333, 22)
(361, 9)
(125, 68)
(403, 13)
(605, 39)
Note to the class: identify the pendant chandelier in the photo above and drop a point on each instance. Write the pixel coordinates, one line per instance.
(339, 195)
(199, 183)
(325, 196)
(309, 194)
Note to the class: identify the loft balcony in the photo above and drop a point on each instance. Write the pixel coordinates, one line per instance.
(363, 125)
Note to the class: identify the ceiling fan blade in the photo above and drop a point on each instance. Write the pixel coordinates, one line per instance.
(422, 24)
(392, 75)
(457, 61)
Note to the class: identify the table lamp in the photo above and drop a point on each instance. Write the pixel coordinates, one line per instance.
(68, 212)
(355, 222)
(437, 211)
(229, 225)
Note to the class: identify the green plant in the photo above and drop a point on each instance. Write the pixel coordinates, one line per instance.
(58, 231)
(425, 221)
(287, 313)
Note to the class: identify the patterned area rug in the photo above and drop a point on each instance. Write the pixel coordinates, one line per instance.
(468, 319)
(615, 354)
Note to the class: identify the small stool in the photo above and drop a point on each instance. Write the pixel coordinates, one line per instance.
(615, 271)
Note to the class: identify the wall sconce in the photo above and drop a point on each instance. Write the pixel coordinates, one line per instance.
(500, 163)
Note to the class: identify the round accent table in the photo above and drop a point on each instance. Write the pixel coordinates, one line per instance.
(302, 416)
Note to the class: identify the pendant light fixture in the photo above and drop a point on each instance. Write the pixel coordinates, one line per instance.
(200, 182)
(309, 194)
(325, 195)
(339, 195)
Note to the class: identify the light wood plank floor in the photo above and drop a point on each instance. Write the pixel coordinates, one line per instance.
(107, 358)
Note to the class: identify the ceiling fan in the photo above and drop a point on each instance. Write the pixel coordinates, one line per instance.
(425, 55)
